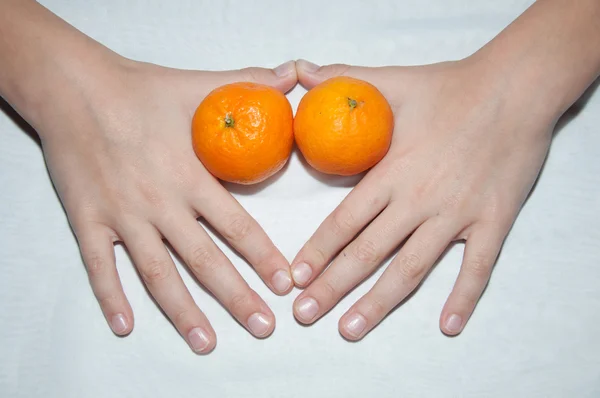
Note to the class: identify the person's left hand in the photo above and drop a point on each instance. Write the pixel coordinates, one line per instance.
(465, 153)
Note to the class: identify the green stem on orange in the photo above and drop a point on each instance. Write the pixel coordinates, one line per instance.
(352, 103)
(229, 122)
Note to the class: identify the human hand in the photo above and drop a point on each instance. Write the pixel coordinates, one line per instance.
(118, 147)
(465, 153)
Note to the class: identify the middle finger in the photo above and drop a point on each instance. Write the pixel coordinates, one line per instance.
(166, 286)
(361, 206)
(242, 231)
(214, 270)
(358, 260)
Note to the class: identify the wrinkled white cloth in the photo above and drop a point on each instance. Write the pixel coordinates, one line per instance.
(534, 333)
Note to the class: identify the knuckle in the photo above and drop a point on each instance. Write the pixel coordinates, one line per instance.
(334, 70)
(401, 166)
(108, 301)
(391, 171)
(377, 308)
(451, 203)
(238, 302)
(266, 259)
(504, 222)
(237, 228)
(422, 191)
(374, 201)
(95, 265)
(202, 261)
(323, 257)
(330, 290)
(495, 206)
(500, 211)
(342, 221)
(150, 193)
(313, 247)
(478, 267)
(180, 316)
(410, 267)
(468, 297)
(185, 176)
(366, 252)
(252, 74)
(155, 271)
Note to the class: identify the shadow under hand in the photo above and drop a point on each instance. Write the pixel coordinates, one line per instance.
(252, 189)
(563, 122)
(19, 121)
(576, 108)
(329, 179)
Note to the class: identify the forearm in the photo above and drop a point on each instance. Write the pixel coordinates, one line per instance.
(43, 57)
(552, 51)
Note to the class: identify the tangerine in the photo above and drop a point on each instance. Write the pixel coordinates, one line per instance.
(243, 132)
(343, 126)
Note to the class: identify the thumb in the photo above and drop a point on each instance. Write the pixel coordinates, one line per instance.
(309, 74)
(282, 77)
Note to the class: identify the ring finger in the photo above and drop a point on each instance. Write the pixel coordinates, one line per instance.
(401, 277)
(214, 271)
(166, 286)
(358, 260)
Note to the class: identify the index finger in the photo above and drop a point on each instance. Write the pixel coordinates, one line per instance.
(229, 218)
(361, 206)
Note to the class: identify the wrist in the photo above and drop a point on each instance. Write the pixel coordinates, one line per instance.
(63, 85)
(518, 80)
(547, 57)
(518, 104)
(48, 64)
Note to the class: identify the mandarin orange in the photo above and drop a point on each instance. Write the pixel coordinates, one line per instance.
(343, 126)
(243, 132)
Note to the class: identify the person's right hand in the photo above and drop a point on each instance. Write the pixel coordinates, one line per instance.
(117, 143)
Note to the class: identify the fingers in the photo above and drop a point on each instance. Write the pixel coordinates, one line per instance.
(358, 260)
(98, 254)
(230, 219)
(217, 274)
(401, 277)
(166, 286)
(309, 74)
(361, 205)
(282, 77)
(481, 251)
(197, 84)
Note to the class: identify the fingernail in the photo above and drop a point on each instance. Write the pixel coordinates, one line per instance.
(453, 324)
(281, 281)
(356, 324)
(307, 309)
(308, 66)
(284, 69)
(258, 324)
(198, 339)
(301, 273)
(118, 324)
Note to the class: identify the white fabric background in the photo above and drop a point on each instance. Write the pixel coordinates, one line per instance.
(535, 332)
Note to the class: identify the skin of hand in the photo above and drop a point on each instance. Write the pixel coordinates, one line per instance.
(116, 136)
(469, 141)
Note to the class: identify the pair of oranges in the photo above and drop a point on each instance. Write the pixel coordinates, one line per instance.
(244, 132)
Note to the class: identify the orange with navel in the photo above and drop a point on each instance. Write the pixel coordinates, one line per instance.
(243, 132)
(343, 126)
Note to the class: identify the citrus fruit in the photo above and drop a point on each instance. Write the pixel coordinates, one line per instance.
(343, 126)
(243, 132)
